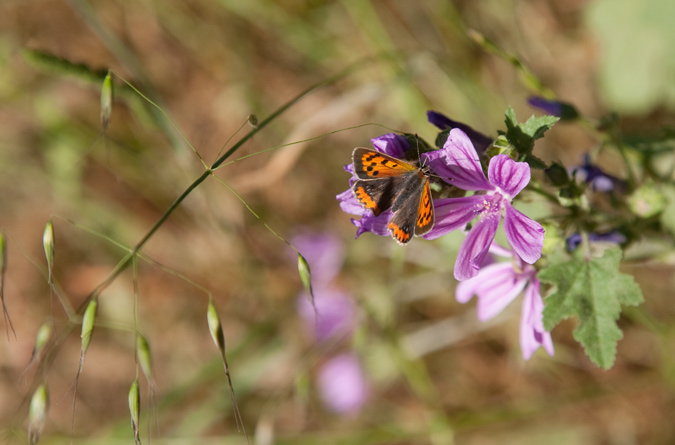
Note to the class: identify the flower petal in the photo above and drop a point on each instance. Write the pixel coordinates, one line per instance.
(372, 223)
(525, 235)
(467, 289)
(497, 292)
(508, 175)
(532, 333)
(349, 203)
(496, 285)
(475, 247)
(392, 144)
(454, 213)
(458, 163)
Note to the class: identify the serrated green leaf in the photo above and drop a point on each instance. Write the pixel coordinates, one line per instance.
(523, 135)
(594, 291)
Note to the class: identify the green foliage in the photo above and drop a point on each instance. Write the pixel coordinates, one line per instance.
(593, 290)
(522, 135)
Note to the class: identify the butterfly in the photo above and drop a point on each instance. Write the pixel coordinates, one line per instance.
(386, 182)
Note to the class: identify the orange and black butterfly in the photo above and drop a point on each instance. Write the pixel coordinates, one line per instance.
(386, 182)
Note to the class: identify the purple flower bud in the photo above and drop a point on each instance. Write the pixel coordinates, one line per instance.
(480, 141)
(615, 237)
(594, 175)
(563, 110)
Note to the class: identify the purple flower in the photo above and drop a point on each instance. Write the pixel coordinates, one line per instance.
(393, 145)
(479, 140)
(335, 315)
(615, 237)
(599, 180)
(459, 162)
(499, 284)
(324, 254)
(342, 385)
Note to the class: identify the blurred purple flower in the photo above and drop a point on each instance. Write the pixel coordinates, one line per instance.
(324, 254)
(393, 145)
(479, 140)
(552, 107)
(342, 385)
(499, 284)
(335, 315)
(599, 180)
(615, 237)
(458, 161)
(558, 108)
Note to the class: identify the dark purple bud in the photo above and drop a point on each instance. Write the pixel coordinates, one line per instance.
(599, 180)
(609, 237)
(480, 141)
(563, 110)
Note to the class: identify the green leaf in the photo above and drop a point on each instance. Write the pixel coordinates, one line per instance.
(523, 135)
(593, 291)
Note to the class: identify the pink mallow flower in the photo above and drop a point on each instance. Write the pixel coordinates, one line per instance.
(457, 163)
(342, 385)
(499, 284)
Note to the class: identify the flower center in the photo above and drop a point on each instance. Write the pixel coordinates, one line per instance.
(492, 204)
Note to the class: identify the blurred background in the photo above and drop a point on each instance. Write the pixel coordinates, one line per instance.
(396, 359)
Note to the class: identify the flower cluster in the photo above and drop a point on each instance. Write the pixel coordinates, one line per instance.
(458, 164)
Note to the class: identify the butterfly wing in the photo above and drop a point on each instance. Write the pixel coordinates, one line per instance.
(425, 212)
(403, 225)
(376, 194)
(371, 164)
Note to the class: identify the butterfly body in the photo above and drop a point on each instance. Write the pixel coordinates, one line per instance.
(389, 183)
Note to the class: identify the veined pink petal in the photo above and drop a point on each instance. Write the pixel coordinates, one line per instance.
(498, 250)
(392, 144)
(496, 286)
(455, 213)
(525, 235)
(508, 175)
(458, 163)
(532, 333)
(467, 289)
(475, 247)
